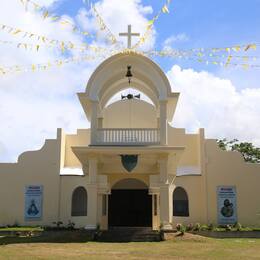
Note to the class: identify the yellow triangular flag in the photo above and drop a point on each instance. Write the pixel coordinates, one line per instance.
(245, 66)
(151, 22)
(55, 18)
(17, 31)
(250, 46)
(245, 58)
(45, 14)
(165, 9)
(228, 60)
(236, 48)
(62, 46)
(227, 49)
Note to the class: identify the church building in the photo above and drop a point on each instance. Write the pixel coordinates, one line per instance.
(131, 168)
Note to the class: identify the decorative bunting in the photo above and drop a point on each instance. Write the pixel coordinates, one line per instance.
(46, 41)
(149, 26)
(102, 26)
(46, 14)
(49, 64)
(224, 56)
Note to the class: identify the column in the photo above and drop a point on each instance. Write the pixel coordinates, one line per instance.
(94, 121)
(163, 122)
(165, 212)
(155, 193)
(165, 215)
(103, 208)
(92, 188)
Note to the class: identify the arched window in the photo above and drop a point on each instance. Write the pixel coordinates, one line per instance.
(79, 202)
(180, 203)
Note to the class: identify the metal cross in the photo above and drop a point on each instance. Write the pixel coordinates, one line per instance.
(129, 35)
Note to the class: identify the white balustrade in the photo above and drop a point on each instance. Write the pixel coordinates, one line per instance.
(127, 136)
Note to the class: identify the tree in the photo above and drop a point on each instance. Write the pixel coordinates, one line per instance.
(248, 150)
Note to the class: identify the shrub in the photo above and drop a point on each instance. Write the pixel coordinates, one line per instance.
(71, 225)
(189, 227)
(204, 228)
(238, 226)
(181, 228)
(197, 227)
(228, 227)
(58, 223)
(210, 227)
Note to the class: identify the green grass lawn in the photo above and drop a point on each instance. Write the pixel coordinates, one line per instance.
(187, 247)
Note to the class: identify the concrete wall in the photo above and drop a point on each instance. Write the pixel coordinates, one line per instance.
(82, 137)
(33, 168)
(130, 114)
(229, 168)
(42, 167)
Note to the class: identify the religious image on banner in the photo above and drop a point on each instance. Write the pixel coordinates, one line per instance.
(33, 202)
(227, 208)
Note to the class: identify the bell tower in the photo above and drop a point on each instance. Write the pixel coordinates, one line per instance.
(114, 75)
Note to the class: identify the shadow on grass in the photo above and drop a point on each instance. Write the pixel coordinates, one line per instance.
(72, 237)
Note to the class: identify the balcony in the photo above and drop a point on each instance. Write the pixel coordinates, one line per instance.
(126, 136)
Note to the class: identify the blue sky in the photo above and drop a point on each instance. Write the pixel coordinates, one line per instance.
(205, 23)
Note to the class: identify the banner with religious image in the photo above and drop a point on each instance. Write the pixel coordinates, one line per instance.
(227, 205)
(33, 202)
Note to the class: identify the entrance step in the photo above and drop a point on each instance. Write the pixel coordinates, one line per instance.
(129, 234)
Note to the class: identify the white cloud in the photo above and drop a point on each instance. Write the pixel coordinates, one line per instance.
(215, 104)
(117, 15)
(181, 37)
(33, 105)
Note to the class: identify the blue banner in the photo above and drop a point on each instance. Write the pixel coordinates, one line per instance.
(33, 202)
(227, 205)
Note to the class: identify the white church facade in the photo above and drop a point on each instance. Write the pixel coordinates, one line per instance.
(131, 168)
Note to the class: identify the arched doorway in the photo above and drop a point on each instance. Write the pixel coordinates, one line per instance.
(129, 204)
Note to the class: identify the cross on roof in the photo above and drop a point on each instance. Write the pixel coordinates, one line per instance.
(129, 35)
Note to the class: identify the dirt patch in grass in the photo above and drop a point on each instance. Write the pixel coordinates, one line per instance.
(185, 237)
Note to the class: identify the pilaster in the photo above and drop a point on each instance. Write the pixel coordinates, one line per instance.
(94, 121)
(92, 193)
(163, 122)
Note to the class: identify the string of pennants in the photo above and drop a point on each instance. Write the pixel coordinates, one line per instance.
(150, 24)
(46, 14)
(43, 40)
(174, 54)
(230, 60)
(224, 56)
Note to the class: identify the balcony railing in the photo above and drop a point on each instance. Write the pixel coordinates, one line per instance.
(126, 136)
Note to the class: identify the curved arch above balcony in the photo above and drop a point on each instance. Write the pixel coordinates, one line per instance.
(109, 78)
(114, 68)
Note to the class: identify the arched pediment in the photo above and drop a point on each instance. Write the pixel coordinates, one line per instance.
(114, 68)
(109, 78)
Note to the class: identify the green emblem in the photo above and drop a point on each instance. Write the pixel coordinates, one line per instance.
(129, 161)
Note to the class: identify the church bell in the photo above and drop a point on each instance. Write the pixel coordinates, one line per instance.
(129, 74)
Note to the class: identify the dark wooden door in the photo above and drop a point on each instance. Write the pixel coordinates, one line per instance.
(131, 208)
